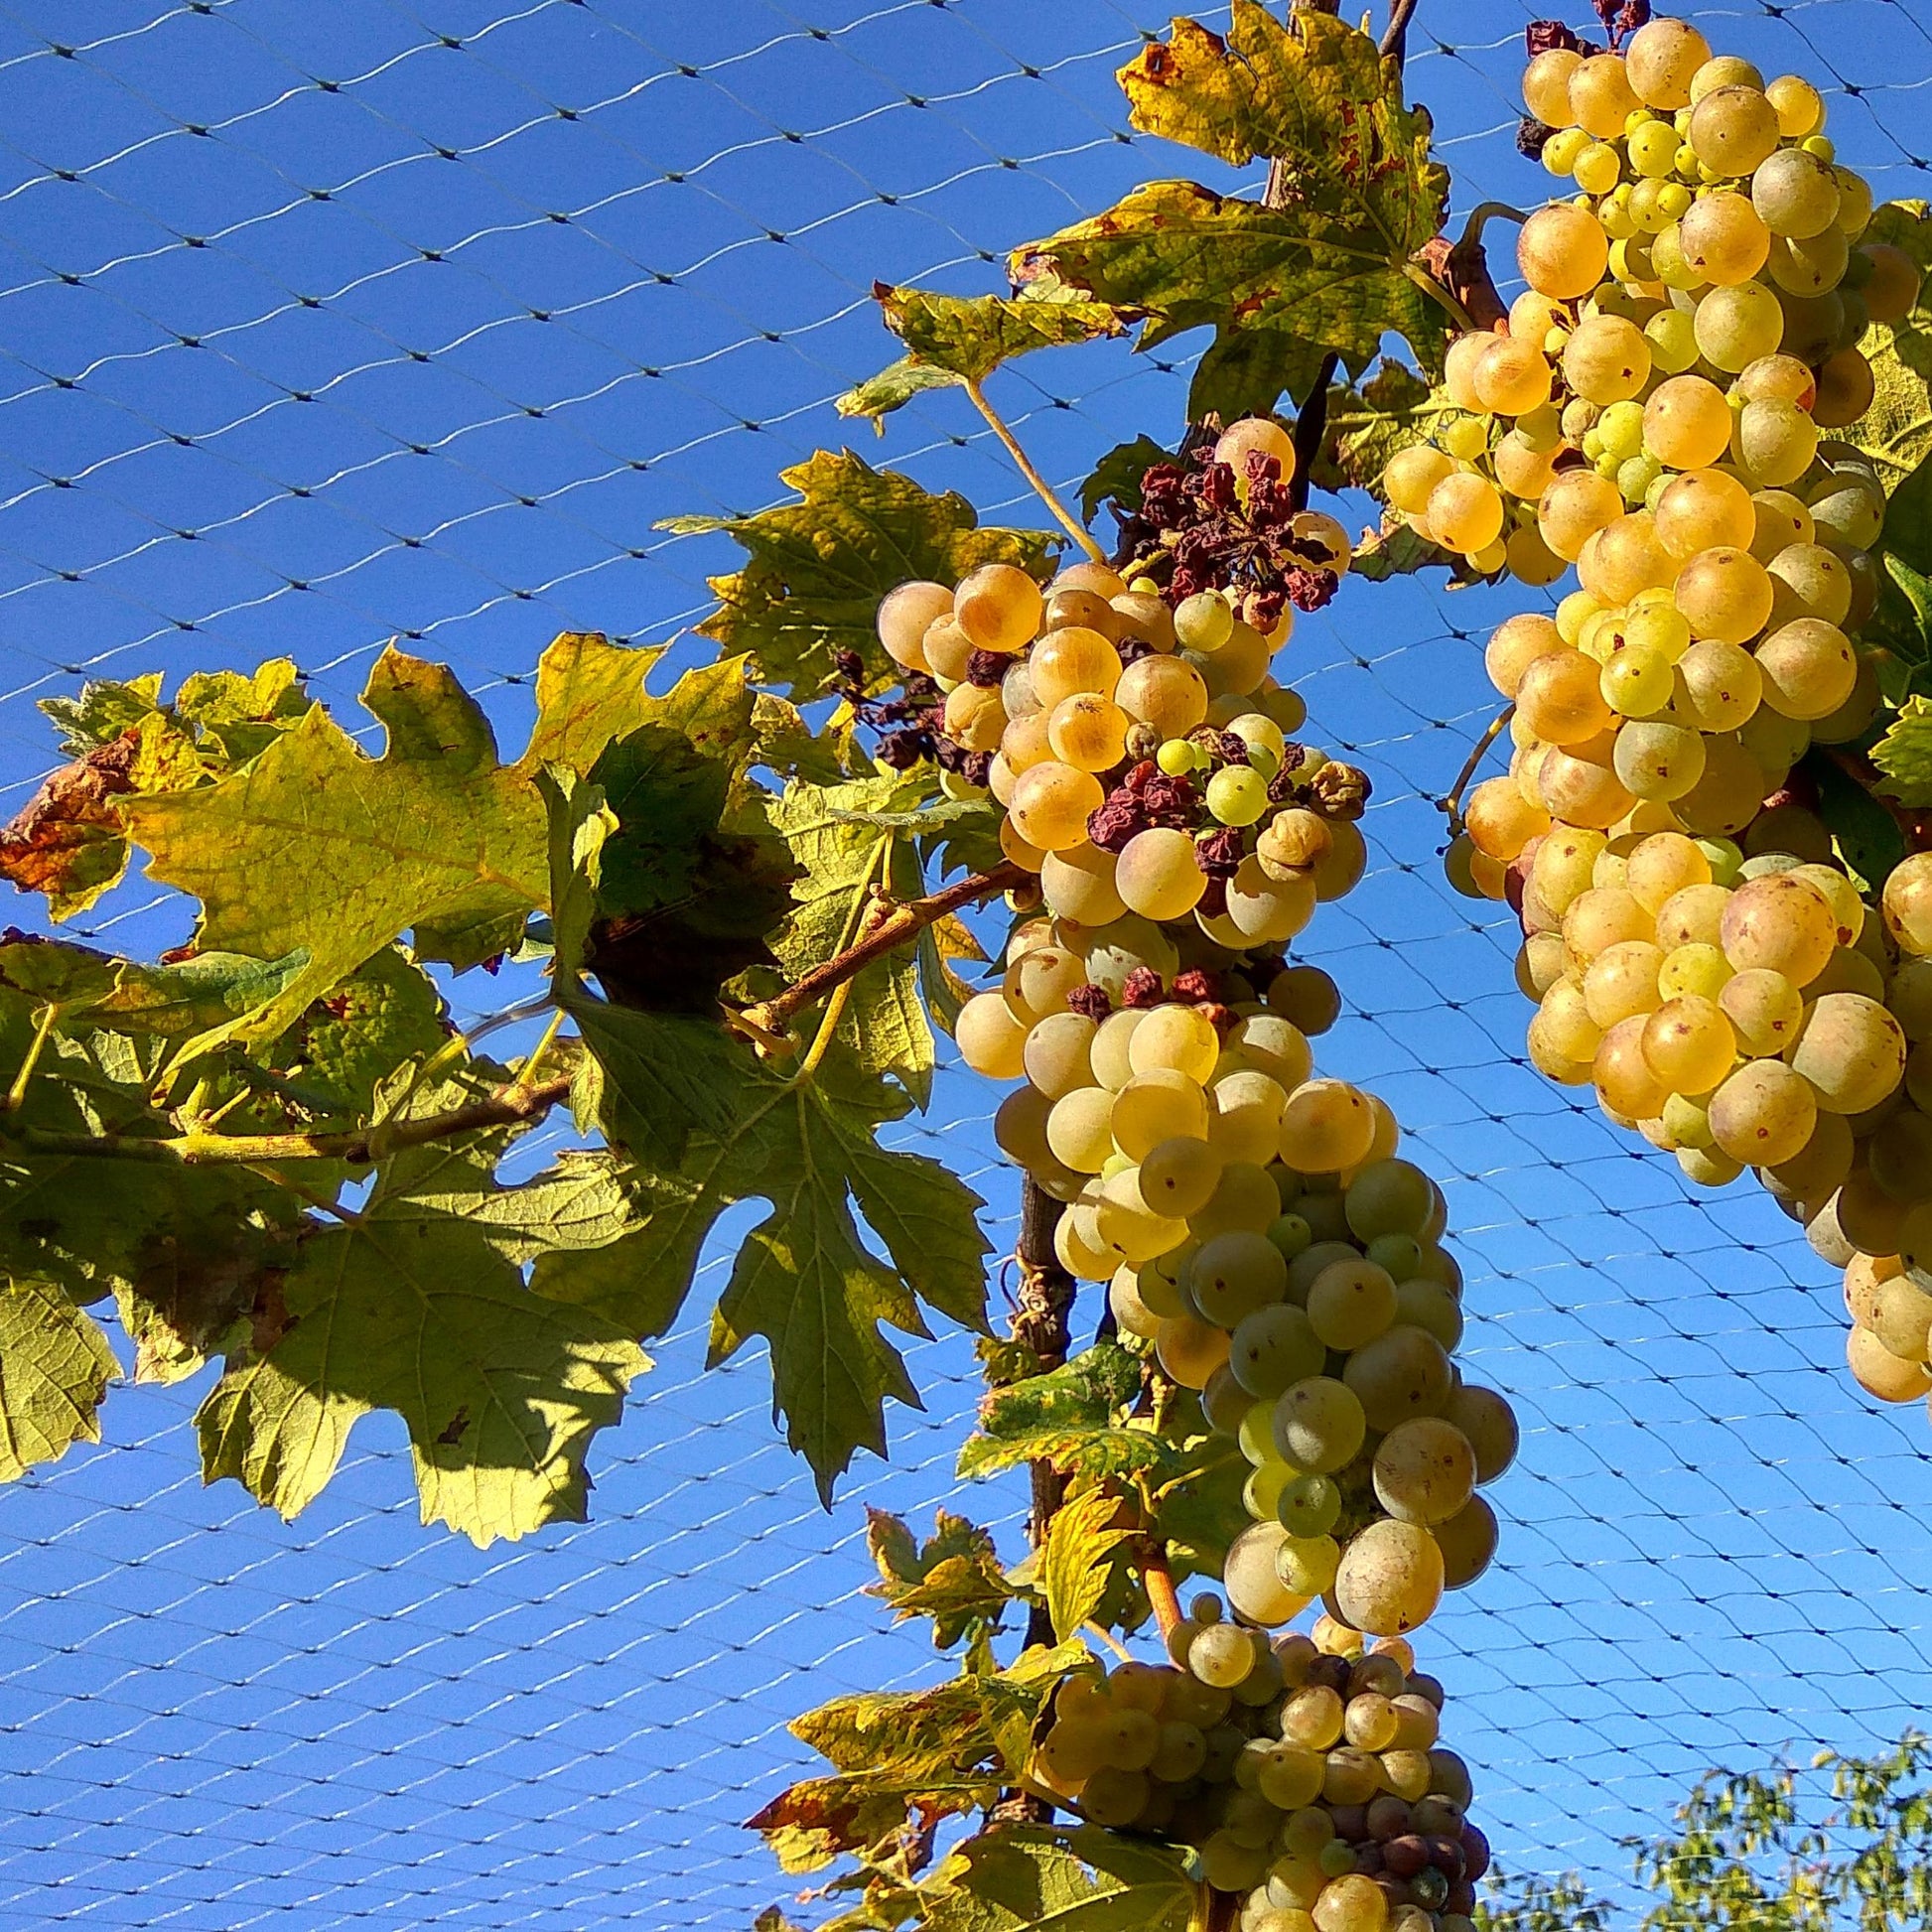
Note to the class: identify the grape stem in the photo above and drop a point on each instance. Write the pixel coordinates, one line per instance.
(1395, 37)
(766, 1021)
(1063, 517)
(1452, 805)
(1470, 241)
(1157, 1579)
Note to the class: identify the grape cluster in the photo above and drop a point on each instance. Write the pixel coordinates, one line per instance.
(1134, 737)
(1652, 414)
(1305, 1772)
(1255, 1226)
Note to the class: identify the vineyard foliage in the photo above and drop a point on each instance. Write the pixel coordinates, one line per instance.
(752, 889)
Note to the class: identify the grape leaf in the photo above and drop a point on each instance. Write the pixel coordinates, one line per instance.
(1075, 1567)
(352, 1041)
(801, 1279)
(818, 567)
(55, 1367)
(1896, 431)
(1031, 1877)
(1868, 838)
(1071, 1418)
(1367, 425)
(318, 846)
(1905, 754)
(589, 691)
(69, 840)
(1116, 477)
(893, 388)
(846, 840)
(1330, 267)
(694, 874)
(185, 1250)
(102, 710)
(955, 1579)
(416, 1302)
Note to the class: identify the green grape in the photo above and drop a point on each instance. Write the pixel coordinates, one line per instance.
(1179, 1176)
(1236, 1273)
(1776, 442)
(1401, 1374)
(1390, 1580)
(1150, 1108)
(1203, 621)
(1244, 1200)
(1795, 194)
(1273, 1045)
(1425, 1470)
(1621, 429)
(1292, 1234)
(1310, 1505)
(1176, 755)
(1237, 794)
(1732, 130)
(1763, 1114)
(1255, 1434)
(1388, 1197)
(1722, 685)
(1222, 1655)
(1809, 581)
(1431, 1308)
(1637, 681)
(1177, 1040)
(1057, 1054)
(1274, 1347)
(1318, 1424)
(1735, 326)
(1351, 1302)
(1254, 1588)
(1400, 1254)
(1467, 1542)
(1487, 1421)
(1851, 1050)
(1658, 761)
(1607, 361)
(992, 1038)
(1307, 1565)
(1155, 874)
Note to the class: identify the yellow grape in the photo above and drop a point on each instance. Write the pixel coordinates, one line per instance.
(1051, 804)
(999, 607)
(1661, 58)
(1562, 251)
(1072, 660)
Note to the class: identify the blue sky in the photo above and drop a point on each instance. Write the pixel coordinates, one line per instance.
(1714, 1548)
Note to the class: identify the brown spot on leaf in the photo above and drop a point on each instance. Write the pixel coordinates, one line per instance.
(67, 835)
(452, 1432)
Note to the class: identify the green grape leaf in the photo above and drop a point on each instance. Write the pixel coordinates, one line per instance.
(963, 1717)
(589, 692)
(969, 336)
(1068, 1417)
(955, 1579)
(940, 944)
(192, 995)
(55, 1367)
(75, 978)
(101, 711)
(342, 1049)
(233, 716)
(1116, 477)
(694, 876)
(802, 1279)
(893, 388)
(846, 841)
(415, 1301)
(812, 1822)
(661, 1075)
(1905, 754)
(1245, 372)
(1201, 1507)
(788, 746)
(819, 566)
(1329, 268)
(187, 1251)
(318, 846)
(1868, 838)
(1395, 549)
(1077, 1560)
(1896, 431)
(1035, 1878)
(68, 841)
(1368, 424)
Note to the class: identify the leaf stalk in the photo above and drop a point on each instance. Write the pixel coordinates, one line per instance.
(1063, 517)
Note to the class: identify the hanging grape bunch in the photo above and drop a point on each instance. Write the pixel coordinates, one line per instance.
(1652, 414)
(1305, 1773)
(1253, 1226)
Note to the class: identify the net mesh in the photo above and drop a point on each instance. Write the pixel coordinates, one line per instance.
(323, 327)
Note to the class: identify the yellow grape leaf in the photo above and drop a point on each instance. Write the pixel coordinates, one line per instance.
(55, 1367)
(318, 846)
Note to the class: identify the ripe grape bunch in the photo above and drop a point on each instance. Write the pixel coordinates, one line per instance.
(1256, 1229)
(1304, 1773)
(1651, 414)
